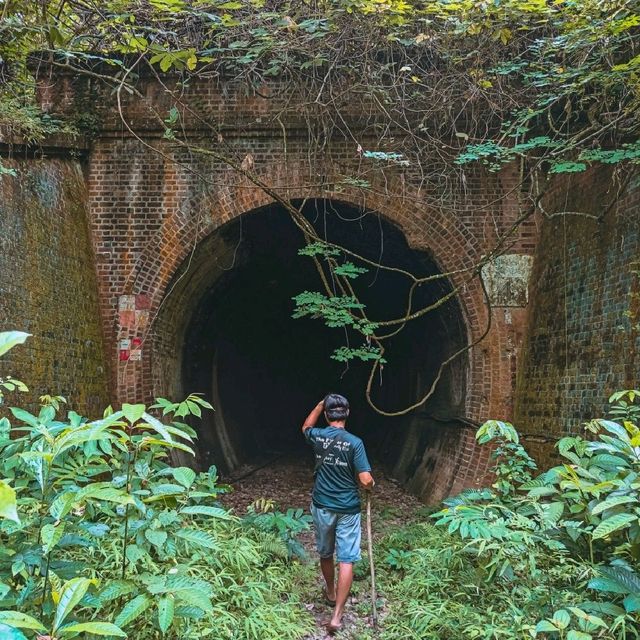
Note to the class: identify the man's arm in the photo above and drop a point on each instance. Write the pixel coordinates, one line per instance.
(312, 418)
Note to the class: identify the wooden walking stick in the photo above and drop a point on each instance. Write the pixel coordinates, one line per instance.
(371, 566)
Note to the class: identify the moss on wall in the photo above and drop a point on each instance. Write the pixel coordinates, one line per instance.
(583, 336)
(48, 284)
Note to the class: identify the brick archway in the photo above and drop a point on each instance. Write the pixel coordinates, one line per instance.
(152, 280)
(180, 217)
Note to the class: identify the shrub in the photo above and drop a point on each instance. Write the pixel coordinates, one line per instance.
(100, 536)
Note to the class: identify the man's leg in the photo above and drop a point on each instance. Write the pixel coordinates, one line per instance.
(347, 552)
(324, 524)
(328, 569)
(345, 578)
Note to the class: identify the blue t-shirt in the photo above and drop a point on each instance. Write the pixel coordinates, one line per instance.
(336, 486)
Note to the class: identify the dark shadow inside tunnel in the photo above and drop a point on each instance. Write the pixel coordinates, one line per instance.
(263, 370)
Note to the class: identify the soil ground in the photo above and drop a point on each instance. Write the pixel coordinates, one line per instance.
(288, 482)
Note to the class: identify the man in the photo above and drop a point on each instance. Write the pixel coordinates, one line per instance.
(341, 464)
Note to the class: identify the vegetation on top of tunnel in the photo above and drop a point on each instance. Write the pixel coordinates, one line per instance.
(100, 536)
(551, 87)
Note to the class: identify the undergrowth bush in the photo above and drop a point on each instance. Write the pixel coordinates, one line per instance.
(553, 556)
(101, 537)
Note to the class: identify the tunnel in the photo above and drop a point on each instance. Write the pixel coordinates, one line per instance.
(227, 332)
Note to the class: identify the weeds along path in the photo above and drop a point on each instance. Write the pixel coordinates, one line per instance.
(288, 482)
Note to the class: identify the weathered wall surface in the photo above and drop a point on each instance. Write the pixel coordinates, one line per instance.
(48, 284)
(149, 210)
(583, 338)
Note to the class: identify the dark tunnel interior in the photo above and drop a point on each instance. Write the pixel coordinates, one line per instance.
(264, 370)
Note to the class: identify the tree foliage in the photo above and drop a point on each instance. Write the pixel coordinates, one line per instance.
(550, 87)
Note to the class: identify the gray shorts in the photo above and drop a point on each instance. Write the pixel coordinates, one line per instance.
(339, 532)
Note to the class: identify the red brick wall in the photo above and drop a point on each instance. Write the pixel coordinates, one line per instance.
(583, 338)
(150, 204)
(48, 285)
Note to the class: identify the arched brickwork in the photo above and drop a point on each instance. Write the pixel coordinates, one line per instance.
(149, 211)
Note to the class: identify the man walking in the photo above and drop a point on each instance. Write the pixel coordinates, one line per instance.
(341, 464)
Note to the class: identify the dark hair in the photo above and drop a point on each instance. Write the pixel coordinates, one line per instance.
(336, 407)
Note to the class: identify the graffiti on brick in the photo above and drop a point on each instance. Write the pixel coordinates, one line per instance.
(507, 280)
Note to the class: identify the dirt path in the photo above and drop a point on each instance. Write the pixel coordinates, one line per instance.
(288, 482)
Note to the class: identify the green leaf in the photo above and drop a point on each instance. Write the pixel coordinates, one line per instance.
(96, 628)
(156, 537)
(606, 585)
(612, 524)
(185, 476)
(133, 412)
(567, 167)
(132, 610)
(8, 503)
(9, 339)
(50, 536)
(214, 512)
(26, 417)
(561, 619)
(62, 504)
(165, 612)
(578, 635)
(20, 621)
(612, 502)
(195, 598)
(72, 592)
(158, 427)
(632, 603)
(10, 633)
(115, 589)
(546, 625)
(195, 536)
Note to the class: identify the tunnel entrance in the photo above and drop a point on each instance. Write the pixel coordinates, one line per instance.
(263, 371)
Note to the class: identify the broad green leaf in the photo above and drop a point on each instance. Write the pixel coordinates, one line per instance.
(8, 504)
(554, 511)
(132, 610)
(612, 524)
(133, 412)
(561, 619)
(546, 625)
(156, 537)
(62, 504)
(194, 536)
(50, 536)
(135, 553)
(9, 339)
(11, 633)
(632, 603)
(165, 612)
(185, 476)
(26, 417)
(626, 578)
(607, 585)
(195, 598)
(170, 445)
(578, 635)
(72, 592)
(214, 512)
(158, 427)
(612, 502)
(115, 589)
(20, 621)
(96, 628)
